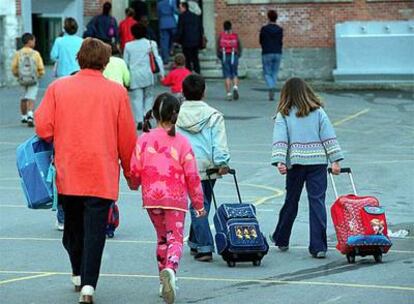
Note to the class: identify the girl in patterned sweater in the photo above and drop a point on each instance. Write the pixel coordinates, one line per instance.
(163, 163)
(303, 142)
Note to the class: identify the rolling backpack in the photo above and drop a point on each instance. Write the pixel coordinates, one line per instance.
(27, 69)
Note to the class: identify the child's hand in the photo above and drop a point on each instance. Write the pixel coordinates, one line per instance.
(132, 184)
(223, 170)
(201, 213)
(336, 168)
(282, 168)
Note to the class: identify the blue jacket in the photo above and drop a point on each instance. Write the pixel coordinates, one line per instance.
(309, 140)
(166, 14)
(64, 51)
(271, 39)
(102, 27)
(204, 127)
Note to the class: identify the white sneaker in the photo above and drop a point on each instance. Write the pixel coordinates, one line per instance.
(86, 294)
(160, 292)
(168, 285)
(76, 281)
(60, 226)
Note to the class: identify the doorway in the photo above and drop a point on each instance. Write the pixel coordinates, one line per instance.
(46, 30)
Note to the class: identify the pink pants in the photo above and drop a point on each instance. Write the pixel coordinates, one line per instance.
(169, 226)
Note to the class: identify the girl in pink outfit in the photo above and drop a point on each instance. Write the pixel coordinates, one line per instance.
(164, 164)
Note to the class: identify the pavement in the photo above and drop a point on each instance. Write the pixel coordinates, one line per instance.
(375, 129)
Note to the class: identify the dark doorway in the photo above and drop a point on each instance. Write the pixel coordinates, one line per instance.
(46, 29)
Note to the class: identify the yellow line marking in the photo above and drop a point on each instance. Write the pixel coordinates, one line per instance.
(12, 206)
(40, 275)
(233, 280)
(37, 239)
(350, 117)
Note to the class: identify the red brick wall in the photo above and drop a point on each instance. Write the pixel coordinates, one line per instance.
(93, 7)
(305, 24)
(18, 7)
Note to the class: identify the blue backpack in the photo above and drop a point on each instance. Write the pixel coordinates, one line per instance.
(37, 173)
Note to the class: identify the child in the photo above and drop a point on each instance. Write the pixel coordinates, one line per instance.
(117, 69)
(27, 66)
(204, 127)
(303, 142)
(164, 164)
(229, 50)
(175, 78)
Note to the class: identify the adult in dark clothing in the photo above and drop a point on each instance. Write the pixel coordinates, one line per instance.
(271, 40)
(140, 8)
(150, 32)
(166, 10)
(103, 27)
(190, 35)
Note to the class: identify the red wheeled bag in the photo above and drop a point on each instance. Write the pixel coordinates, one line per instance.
(360, 224)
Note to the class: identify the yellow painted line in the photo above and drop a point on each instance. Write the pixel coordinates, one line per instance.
(234, 280)
(36, 276)
(12, 206)
(37, 239)
(350, 117)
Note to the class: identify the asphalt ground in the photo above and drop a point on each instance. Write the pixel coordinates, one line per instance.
(375, 129)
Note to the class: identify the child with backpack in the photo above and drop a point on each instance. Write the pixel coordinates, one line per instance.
(164, 164)
(28, 67)
(204, 127)
(304, 141)
(229, 50)
(175, 78)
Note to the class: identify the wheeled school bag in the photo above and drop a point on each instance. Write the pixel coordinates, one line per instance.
(360, 224)
(36, 171)
(238, 235)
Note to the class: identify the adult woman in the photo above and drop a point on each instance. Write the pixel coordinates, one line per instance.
(137, 58)
(89, 120)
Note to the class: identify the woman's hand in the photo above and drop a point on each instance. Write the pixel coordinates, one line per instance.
(282, 168)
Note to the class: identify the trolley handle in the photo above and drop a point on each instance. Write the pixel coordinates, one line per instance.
(343, 170)
(212, 171)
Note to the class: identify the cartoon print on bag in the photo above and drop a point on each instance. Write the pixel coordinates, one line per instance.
(253, 233)
(246, 233)
(239, 233)
(377, 225)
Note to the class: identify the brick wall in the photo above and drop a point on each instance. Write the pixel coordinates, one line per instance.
(18, 7)
(93, 7)
(306, 25)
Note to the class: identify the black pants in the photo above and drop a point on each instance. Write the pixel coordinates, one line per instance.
(191, 59)
(84, 235)
(315, 178)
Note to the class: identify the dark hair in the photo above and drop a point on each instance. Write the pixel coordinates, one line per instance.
(26, 37)
(130, 12)
(165, 109)
(227, 25)
(272, 15)
(106, 8)
(70, 26)
(179, 59)
(93, 54)
(115, 49)
(297, 93)
(194, 86)
(138, 30)
(185, 5)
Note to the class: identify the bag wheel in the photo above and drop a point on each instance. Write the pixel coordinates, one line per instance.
(350, 258)
(231, 263)
(378, 257)
(257, 263)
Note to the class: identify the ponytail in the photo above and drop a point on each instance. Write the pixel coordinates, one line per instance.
(173, 120)
(147, 124)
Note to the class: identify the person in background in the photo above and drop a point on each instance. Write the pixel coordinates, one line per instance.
(271, 40)
(27, 65)
(137, 58)
(116, 69)
(150, 32)
(175, 78)
(140, 8)
(229, 50)
(166, 10)
(125, 25)
(190, 35)
(104, 26)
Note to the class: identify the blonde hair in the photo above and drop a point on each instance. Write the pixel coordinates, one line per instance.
(297, 93)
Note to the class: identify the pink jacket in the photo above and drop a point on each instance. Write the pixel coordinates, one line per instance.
(166, 168)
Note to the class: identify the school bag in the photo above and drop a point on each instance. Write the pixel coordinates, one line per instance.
(27, 69)
(37, 173)
(113, 220)
(238, 235)
(229, 42)
(360, 224)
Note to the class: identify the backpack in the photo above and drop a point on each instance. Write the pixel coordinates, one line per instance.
(27, 69)
(229, 42)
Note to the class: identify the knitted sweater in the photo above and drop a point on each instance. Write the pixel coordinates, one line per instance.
(166, 168)
(309, 140)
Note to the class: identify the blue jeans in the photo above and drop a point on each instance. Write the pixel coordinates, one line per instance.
(315, 177)
(60, 215)
(271, 64)
(166, 40)
(200, 233)
(230, 68)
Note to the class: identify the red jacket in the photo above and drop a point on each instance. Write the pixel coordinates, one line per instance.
(175, 79)
(90, 122)
(125, 30)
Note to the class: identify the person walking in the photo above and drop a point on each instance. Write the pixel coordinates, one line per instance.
(164, 164)
(137, 57)
(229, 50)
(190, 36)
(116, 69)
(89, 120)
(304, 141)
(271, 40)
(166, 10)
(104, 26)
(125, 25)
(175, 78)
(27, 65)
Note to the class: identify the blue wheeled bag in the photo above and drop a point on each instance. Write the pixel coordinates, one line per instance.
(36, 171)
(238, 235)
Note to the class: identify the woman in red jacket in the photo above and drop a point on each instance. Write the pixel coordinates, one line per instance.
(89, 120)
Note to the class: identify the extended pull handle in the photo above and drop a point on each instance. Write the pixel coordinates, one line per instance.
(343, 170)
(212, 171)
